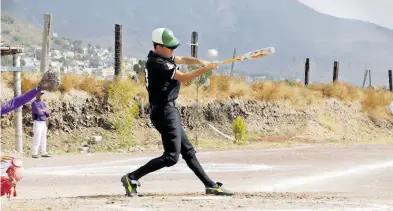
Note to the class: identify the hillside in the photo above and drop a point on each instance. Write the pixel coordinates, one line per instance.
(295, 30)
(19, 32)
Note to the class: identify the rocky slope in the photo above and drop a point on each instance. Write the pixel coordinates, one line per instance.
(76, 117)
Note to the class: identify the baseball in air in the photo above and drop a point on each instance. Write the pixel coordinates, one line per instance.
(212, 53)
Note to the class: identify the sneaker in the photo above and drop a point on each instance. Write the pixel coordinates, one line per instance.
(35, 156)
(46, 156)
(130, 185)
(218, 190)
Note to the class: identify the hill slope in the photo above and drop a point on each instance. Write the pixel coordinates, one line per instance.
(294, 29)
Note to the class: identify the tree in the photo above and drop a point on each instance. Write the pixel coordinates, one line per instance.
(239, 130)
(140, 67)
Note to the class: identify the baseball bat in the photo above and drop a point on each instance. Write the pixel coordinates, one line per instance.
(251, 55)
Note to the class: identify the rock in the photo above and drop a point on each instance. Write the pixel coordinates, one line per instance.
(84, 149)
(97, 140)
(137, 149)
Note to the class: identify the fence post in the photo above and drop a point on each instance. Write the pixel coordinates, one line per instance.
(365, 78)
(335, 71)
(194, 53)
(46, 43)
(307, 70)
(390, 81)
(233, 63)
(118, 49)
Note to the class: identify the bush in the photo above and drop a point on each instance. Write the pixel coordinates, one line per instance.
(239, 130)
(120, 95)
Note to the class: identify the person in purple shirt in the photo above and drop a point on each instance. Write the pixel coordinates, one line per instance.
(40, 113)
(21, 100)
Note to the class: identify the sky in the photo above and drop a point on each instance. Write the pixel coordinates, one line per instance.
(375, 11)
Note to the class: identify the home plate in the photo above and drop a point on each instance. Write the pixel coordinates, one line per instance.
(207, 198)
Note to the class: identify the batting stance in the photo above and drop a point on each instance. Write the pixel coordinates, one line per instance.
(163, 80)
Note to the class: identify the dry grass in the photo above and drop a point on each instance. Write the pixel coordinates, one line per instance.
(85, 83)
(29, 81)
(374, 101)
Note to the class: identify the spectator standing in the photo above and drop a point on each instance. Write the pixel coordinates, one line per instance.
(40, 113)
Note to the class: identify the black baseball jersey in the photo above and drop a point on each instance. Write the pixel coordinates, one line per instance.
(160, 82)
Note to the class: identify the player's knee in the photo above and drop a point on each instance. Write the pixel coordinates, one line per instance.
(171, 160)
(189, 154)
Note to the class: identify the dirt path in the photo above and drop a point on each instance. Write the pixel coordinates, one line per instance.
(300, 178)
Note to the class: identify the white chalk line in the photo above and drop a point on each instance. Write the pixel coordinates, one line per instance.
(118, 170)
(145, 158)
(345, 206)
(208, 198)
(294, 183)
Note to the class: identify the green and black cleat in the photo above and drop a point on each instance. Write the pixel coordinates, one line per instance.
(218, 190)
(130, 185)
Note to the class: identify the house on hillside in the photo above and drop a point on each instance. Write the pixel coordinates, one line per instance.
(69, 55)
(31, 62)
(56, 54)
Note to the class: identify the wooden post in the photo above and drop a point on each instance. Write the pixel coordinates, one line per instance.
(365, 78)
(194, 53)
(118, 49)
(369, 78)
(335, 71)
(18, 112)
(390, 80)
(307, 70)
(194, 44)
(233, 63)
(46, 43)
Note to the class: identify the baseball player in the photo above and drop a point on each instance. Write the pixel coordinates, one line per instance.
(163, 80)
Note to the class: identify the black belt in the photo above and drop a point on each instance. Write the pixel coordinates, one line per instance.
(171, 103)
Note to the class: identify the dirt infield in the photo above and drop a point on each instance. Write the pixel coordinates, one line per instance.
(308, 177)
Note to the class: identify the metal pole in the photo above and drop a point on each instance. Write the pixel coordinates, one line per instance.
(46, 43)
(18, 112)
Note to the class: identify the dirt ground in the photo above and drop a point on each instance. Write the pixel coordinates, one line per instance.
(302, 177)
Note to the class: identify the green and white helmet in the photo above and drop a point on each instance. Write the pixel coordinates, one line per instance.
(165, 37)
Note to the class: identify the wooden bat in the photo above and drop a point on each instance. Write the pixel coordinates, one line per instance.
(251, 55)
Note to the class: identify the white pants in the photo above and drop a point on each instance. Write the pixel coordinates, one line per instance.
(40, 130)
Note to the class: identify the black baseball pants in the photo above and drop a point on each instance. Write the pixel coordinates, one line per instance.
(166, 119)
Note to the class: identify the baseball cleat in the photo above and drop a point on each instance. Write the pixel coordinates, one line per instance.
(130, 185)
(218, 190)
